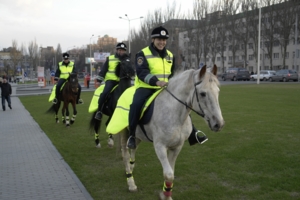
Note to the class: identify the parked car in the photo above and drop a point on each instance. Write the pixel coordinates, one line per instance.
(264, 75)
(236, 74)
(285, 75)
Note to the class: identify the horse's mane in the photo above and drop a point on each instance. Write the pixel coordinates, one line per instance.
(189, 74)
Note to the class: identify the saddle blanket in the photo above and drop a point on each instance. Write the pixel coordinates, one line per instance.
(52, 95)
(119, 119)
(94, 103)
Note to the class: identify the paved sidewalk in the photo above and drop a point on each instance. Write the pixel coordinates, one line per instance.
(30, 166)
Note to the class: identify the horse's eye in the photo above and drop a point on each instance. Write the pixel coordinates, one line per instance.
(203, 94)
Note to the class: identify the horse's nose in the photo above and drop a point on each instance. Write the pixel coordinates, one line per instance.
(216, 127)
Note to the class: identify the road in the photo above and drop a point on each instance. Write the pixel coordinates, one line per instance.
(33, 89)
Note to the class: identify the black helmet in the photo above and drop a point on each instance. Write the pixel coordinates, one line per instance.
(160, 32)
(121, 45)
(66, 55)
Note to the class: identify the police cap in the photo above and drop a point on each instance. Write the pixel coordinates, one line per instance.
(66, 55)
(121, 45)
(160, 32)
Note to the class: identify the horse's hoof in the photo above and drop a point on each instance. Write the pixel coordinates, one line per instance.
(133, 190)
(98, 146)
(161, 196)
(110, 142)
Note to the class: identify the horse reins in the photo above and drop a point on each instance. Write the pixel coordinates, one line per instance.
(184, 103)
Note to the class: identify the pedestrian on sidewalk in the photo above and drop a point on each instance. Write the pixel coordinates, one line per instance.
(88, 79)
(5, 93)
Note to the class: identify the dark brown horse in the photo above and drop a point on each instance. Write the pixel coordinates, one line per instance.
(67, 95)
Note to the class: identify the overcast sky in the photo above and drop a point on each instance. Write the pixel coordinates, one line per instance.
(70, 22)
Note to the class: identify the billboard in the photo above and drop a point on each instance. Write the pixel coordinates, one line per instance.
(101, 56)
(89, 60)
(41, 77)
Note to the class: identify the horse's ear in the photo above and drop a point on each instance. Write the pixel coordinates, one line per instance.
(214, 70)
(202, 71)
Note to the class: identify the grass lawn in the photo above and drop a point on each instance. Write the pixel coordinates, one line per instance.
(255, 156)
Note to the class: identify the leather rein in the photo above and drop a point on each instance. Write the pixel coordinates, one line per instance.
(186, 105)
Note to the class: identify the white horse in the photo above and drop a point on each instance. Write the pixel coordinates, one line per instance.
(170, 125)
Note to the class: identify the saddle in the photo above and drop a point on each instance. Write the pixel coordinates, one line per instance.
(119, 118)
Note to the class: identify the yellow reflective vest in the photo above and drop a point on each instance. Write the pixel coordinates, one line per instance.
(65, 70)
(112, 65)
(159, 67)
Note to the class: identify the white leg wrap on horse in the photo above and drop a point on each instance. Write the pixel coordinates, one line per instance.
(131, 184)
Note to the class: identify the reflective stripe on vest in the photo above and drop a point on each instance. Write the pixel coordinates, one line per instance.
(112, 64)
(159, 67)
(65, 70)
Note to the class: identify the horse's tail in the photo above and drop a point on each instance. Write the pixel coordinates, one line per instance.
(51, 109)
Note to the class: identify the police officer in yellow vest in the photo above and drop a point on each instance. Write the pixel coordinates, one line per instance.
(108, 75)
(64, 68)
(154, 66)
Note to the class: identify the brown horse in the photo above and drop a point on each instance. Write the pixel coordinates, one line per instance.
(67, 95)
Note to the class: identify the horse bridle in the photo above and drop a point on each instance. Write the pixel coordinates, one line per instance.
(184, 103)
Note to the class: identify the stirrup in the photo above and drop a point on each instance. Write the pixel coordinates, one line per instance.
(80, 101)
(131, 143)
(54, 101)
(196, 135)
(98, 115)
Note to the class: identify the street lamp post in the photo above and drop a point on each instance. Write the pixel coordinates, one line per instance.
(127, 18)
(91, 55)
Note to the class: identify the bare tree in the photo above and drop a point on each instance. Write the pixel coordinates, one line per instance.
(245, 27)
(15, 56)
(33, 51)
(233, 20)
(286, 17)
(270, 25)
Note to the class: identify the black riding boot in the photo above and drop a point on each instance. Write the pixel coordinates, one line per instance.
(131, 140)
(195, 138)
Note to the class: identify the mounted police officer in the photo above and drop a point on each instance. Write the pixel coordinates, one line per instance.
(62, 73)
(108, 74)
(154, 66)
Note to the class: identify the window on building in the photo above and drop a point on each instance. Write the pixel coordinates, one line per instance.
(230, 58)
(230, 48)
(237, 47)
(250, 57)
(276, 55)
(242, 46)
(266, 56)
(250, 45)
(287, 55)
(236, 57)
(224, 58)
(219, 58)
(266, 44)
(276, 43)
